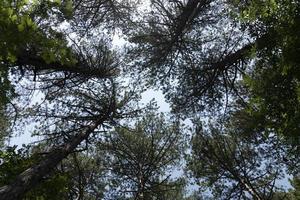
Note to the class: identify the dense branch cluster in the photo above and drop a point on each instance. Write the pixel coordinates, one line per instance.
(228, 69)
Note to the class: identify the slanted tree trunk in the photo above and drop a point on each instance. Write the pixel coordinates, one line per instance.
(37, 64)
(35, 174)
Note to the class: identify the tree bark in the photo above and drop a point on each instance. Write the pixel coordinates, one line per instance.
(35, 174)
(36, 63)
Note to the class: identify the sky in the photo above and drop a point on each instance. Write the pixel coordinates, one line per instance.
(147, 96)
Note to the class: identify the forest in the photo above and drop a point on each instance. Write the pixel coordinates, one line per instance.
(73, 74)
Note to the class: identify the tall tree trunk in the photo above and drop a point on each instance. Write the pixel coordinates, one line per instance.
(35, 174)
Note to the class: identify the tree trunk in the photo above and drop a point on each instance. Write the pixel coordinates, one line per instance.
(37, 64)
(35, 174)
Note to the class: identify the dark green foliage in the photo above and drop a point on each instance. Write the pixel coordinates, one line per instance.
(234, 62)
(6, 95)
(13, 162)
(185, 49)
(86, 176)
(233, 166)
(274, 82)
(141, 158)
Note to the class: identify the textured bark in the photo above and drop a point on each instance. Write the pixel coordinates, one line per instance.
(242, 54)
(27, 60)
(189, 12)
(250, 189)
(35, 174)
(233, 58)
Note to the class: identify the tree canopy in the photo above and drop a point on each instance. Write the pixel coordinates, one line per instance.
(72, 74)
